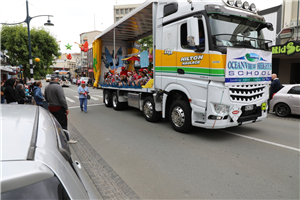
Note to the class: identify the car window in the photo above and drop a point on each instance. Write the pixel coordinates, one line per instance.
(294, 90)
(47, 189)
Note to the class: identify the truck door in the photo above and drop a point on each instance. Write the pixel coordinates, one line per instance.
(192, 61)
(169, 54)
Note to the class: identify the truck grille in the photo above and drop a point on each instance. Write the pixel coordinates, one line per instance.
(246, 93)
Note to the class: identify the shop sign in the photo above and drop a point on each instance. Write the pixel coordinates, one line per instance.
(287, 49)
(90, 70)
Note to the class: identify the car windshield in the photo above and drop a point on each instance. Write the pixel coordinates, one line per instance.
(237, 32)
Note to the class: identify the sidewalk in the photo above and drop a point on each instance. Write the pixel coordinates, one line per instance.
(108, 183)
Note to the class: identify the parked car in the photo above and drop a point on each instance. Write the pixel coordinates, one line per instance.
(48, 77)
(74, 81)
(37, 161)
(286, 101)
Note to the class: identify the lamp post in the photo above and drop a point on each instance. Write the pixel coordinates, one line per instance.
(27, 21)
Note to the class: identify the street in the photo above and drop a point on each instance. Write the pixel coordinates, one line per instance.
(128, 157)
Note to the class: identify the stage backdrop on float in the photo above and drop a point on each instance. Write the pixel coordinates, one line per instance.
(248, 66)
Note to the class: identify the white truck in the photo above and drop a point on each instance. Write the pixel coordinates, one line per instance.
(215, 79)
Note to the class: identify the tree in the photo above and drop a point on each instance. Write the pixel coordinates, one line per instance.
(14, 39)
(146, 43)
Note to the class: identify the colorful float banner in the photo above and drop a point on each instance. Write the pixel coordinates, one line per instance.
(248, 66)
(97, 52)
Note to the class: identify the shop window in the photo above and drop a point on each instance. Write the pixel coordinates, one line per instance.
(117, 11)
(122, 11)
(126, 11)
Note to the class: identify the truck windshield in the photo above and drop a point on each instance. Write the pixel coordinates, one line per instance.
(237, 32)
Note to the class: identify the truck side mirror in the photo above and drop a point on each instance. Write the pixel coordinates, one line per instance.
(193, 31)
(270, 26)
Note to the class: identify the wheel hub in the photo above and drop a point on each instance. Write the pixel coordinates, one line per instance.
(178, 117)
(106, 98)
(148, 109)
(114, 100)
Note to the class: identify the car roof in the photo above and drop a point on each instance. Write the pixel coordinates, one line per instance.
(17, 122)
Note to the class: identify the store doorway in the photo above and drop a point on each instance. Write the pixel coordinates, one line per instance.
(295, 71)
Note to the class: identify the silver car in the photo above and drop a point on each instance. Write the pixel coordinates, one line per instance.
(286, 101)
(37, 161)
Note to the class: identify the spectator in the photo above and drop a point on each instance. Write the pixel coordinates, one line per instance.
(10, 93)
(55, 96)
(275, 85)
(21, 93)
(2, 92)
(37, 93)
(83, 92)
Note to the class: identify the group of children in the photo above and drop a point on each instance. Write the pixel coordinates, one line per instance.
(127, 78)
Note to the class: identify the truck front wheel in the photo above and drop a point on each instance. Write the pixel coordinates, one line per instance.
(107, 98)
(149, 110)
(180, 116)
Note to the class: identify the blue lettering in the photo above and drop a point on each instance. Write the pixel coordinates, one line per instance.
(241, 73)
(249, 73)
(256, 73)
(231, 73)
(263, 73)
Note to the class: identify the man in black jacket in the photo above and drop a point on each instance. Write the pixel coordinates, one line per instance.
(275, 85)
(10, 92)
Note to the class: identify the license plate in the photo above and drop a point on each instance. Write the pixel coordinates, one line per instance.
(249, 107)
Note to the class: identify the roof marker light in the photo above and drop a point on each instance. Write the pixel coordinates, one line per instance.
(238, 3)
(253, 7)
(246, 5)
(230, 2)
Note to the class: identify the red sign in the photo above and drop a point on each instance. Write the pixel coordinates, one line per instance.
(235, 112)
(91, 70)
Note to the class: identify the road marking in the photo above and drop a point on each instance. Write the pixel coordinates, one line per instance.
(71, 90)
(101, 104)
(94, 98)
(263, 141)
(98, 96)
(76, 97)
(70, 99)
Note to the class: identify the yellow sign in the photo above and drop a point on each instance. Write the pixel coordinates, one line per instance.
(263, 106)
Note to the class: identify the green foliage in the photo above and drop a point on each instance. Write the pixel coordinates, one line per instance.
(14, 39)
(146, 43)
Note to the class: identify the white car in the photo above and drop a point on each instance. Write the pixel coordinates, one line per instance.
(85, 79)
(37, 161)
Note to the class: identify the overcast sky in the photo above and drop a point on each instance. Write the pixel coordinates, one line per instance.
(73, 17)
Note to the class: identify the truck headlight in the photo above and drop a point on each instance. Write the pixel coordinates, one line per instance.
(221, 109)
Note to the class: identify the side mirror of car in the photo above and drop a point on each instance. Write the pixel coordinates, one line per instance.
(67, 133)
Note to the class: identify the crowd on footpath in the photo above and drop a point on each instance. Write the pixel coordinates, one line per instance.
(127, 78)
(14, 91)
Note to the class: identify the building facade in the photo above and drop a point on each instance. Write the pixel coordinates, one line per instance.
(86, 37)
(285, 40)
(122, 10)
(62, 63)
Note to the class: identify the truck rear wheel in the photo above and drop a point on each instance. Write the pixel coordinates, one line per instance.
(149, 110)
(115, 102)
(180, 116)
(107, 98)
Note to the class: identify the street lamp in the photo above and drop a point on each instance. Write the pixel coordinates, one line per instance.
(27, 21)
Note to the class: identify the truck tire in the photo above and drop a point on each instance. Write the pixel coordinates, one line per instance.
(180, 116)
(107, 98)
(149, 110)
(115, 102)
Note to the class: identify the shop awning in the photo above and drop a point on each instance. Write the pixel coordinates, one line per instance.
(6, 69)
(132, 27)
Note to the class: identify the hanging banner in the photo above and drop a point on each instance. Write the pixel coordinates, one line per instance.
(248, 66)
(97, 52)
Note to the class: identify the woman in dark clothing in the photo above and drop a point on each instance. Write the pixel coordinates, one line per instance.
(2, 92)
(21, 92)
(10, 92)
